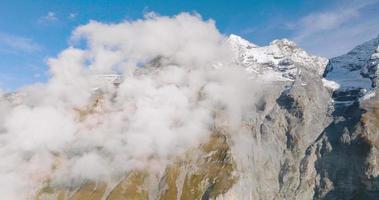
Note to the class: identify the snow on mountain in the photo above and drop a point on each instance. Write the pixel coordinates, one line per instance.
(189, 131)
(357, 69)
(239, 43)
(279, 60)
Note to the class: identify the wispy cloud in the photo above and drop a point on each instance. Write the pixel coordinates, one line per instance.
(15, 44)
(335, 31)
(72, 16)
(49, 17)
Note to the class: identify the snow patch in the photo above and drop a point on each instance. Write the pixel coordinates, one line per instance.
(330, 84)
(368, 96)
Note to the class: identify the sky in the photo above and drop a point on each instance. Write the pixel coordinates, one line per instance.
(33, 31)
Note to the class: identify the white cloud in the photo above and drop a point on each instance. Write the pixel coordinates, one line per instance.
(15, 44)
(72, 16)
(335, 31)
(157, 112)
(49, 17)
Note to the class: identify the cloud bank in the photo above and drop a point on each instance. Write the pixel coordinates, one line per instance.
(178, 83)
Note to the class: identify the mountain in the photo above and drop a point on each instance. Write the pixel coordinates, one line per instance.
(356, 71)
(281, 59)
(349, 165)
(305, 140)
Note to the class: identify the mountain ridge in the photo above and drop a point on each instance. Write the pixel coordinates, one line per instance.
(298, 142)
(280, 57)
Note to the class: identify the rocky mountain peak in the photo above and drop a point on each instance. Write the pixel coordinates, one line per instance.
(280, 59)
(284, 43)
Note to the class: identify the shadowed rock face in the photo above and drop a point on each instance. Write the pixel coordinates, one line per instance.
(304, 142)
(347, 153)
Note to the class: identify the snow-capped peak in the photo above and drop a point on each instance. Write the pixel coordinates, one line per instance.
(280, 59)
(238, 42)
(357, 69)
(284, 43)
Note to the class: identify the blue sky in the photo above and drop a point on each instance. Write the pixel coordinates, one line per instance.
(32, 31)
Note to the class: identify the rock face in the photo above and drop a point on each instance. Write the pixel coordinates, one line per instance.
(306, 141)
(280, 162)
(347, 155)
